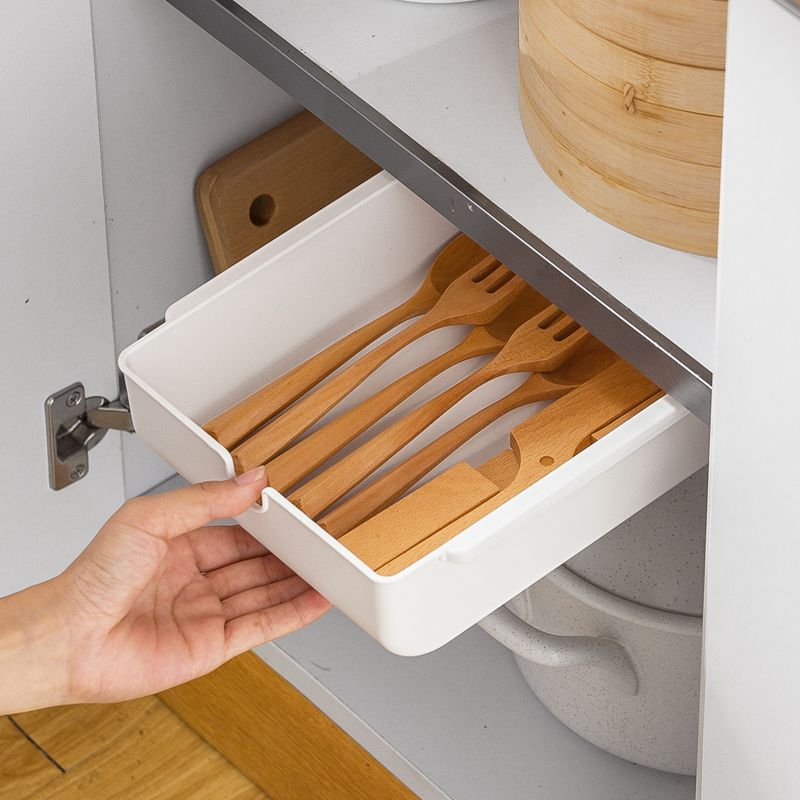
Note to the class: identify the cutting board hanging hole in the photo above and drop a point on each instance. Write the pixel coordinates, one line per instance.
(262, 210)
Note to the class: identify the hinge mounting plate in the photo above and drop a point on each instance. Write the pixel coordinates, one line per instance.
(75, 424)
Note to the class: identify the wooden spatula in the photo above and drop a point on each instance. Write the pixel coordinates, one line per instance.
(387, 489)
(300, 460)
(231, 426)
(538, 446)
(474, 298)
(544, 342)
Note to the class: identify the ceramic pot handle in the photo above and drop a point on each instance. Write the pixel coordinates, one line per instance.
(550, 650)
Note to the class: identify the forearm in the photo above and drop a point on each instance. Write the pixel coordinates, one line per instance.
(33, 650)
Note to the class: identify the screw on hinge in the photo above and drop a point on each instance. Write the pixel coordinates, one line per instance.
(74, 398)
(77, 473)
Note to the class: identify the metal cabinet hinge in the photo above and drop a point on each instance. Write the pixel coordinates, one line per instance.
(75, 424)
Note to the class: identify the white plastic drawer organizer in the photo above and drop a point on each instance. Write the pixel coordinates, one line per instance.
(360, 256)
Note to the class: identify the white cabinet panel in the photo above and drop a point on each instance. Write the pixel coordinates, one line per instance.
(752, 693)
(55, 313)
(172, 100)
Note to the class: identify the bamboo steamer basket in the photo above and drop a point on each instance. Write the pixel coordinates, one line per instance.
(621, 102)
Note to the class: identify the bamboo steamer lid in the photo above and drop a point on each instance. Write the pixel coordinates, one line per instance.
(631, 133)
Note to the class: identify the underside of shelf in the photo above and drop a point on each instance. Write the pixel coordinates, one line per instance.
(654, 306)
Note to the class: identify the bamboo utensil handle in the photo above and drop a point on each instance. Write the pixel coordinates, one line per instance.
(476, 297)
(233, 425)
(444, 499)
(300, 460)
(542, 444)
(291, 466)
(393, 485)
(591, 359)
(282, 431)
(544, 341)
(323, 491)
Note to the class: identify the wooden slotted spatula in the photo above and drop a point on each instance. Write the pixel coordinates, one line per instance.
(541, 344)
(300, 460)
(410, 529)
(231, 426)
(384, 491)
(474, 298)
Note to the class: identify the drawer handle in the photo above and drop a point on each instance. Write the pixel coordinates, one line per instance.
(550, 650)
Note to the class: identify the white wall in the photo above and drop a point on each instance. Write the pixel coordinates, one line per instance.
(752, 620)
(172, 100)
(55, 313)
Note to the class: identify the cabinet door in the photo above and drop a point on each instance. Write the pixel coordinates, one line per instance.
(752, 693)
(55, 315)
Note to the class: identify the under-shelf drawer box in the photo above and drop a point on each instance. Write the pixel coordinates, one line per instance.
(361, 255)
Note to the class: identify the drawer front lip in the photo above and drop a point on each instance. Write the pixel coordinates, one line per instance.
(446, 592)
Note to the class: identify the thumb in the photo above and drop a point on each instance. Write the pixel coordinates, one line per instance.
(174, 513)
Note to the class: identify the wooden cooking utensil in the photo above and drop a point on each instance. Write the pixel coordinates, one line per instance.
(300, 460)
(474, 298)
(614, 424)
(543, 343)
(231, 426)
(384, 491)
(388, 544)
(437, 504)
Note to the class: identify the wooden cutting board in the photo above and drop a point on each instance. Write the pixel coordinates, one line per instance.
(267, 186)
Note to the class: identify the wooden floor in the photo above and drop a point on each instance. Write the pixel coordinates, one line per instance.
(137, 751)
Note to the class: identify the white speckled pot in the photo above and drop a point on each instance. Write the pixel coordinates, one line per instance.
(657, 557)
(583, 674)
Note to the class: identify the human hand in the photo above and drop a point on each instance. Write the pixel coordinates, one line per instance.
(155, 600)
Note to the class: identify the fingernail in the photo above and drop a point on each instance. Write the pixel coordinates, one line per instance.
(253, 476)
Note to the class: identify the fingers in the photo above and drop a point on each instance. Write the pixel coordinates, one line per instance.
(246, 632)
(174, 513)
(272, 594)
(219, 545)
(245, 575)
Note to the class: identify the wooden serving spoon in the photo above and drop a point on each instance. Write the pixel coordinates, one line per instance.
(300, 460)
(474, 298)
(381, 493)
(543, 343)
(231, 426)
(415, 525)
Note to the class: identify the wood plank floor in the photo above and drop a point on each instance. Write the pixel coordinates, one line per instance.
(279, 738)
(138, 751)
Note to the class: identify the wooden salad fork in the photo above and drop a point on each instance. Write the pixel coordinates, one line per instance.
(474, 298)
(543, 343)
(592, 358)
(300, 460)
(231, 426)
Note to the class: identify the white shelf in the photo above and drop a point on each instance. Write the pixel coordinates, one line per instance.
(430, 91)
(460, 723)
(447, 76)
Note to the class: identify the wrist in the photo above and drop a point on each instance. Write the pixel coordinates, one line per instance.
(34, 654)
